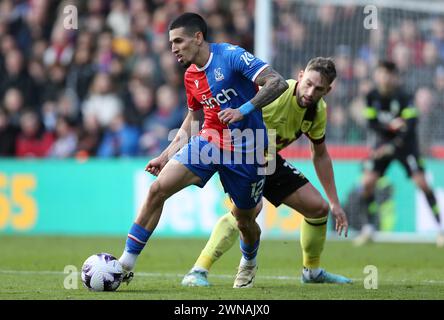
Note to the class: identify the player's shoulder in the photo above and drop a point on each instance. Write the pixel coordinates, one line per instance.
(190, 70)
(322, 106)
(291, 83)
(191, 76)
(227, 49)
(373, 93)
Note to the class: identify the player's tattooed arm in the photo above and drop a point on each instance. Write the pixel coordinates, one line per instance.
(273, 85)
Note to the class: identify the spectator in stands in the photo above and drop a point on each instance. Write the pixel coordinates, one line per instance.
(120, 139)
(7, 44)
(104, 53)
(172, 74)
(370, 51)
(55, 84)
(428, 126)
(326, 30)
(438, 83)
(81, 72)
(65, 143)
(49, 115)
(17, 76)
(102, 103)
(242, 26)
(291, 45)
(94, 17)
(426, 72)
(402, 57)
(169, 115)
(140, 104)
(119, 19)
(60, 50)
(408, 36)
(67, 107)
(90, 136)
(8, 135)
(32, 140)
(437, 36)
(145, 69)
(141, 50)
(39, 75)
(13, 103)
(337, 119)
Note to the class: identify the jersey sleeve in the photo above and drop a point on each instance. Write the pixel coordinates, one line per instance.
(371, 115)
(317, 132)
(245, 63)
(409, 113)
(408, 110)
(370, 112)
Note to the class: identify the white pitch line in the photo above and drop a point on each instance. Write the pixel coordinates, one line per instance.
(216, 276)
(142, 274)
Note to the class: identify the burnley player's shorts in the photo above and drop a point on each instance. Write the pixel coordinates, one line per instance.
(240, 180)
(285, 180)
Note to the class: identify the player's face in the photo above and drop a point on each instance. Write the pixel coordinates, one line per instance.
(312, 86)
(184, 46)
(385, 80)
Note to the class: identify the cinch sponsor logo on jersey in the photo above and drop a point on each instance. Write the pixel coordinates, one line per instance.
(220, 98)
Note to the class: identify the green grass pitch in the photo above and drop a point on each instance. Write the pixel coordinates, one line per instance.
(33, 268)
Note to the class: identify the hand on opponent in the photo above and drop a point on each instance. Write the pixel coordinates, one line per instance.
(229, 115)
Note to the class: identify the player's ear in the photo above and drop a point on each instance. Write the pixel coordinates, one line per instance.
(328, 89)
(199, 37)
(300, 75)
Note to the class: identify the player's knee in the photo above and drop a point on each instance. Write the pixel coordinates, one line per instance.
(245, 224)
(319, 210)
(325, 208)
(322, 210)
(156, 192)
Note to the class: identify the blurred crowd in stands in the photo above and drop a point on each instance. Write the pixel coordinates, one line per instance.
(112, 88)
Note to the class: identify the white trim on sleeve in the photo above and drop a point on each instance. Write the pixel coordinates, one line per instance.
(258, 72)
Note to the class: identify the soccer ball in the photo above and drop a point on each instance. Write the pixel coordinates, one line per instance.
(102, 272)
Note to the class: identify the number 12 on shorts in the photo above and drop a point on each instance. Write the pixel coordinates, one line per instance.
(257, 188)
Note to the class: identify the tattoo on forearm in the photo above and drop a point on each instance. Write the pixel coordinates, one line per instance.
(273, 86)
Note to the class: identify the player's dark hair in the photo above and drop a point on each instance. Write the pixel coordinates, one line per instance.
(388, 65)
(191, 22)
(325, 66)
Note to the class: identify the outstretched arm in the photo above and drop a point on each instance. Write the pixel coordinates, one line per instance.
(191, 123)
(324, 171)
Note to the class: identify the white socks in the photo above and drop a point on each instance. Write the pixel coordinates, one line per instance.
(128, 260)
(247, 263)
(311, 273)
(199, 269)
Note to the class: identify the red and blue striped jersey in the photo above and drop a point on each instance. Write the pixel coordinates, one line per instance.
(226, 81)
